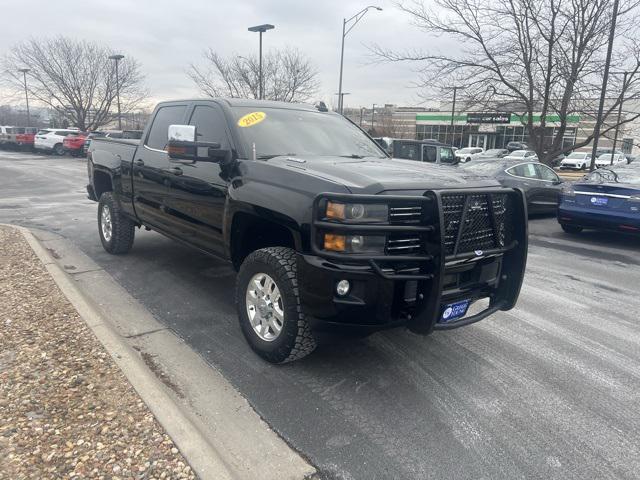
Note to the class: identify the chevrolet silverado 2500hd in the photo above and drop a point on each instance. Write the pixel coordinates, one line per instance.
(324, 229)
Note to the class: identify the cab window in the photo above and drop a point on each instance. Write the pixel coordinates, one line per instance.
(446, 155)
(525, 170)
(159, 133)
(545, 173)
(210, 124)
(429, 153)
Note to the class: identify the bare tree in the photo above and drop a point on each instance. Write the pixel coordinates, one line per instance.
(287, 74)
(75, 78)
(541, 59)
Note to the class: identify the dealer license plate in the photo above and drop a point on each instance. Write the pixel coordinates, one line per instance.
(453, 311)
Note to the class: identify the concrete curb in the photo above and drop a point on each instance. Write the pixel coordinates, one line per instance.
(203, 459)
(214, 427)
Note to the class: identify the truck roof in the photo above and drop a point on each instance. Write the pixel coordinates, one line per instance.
(246, 102)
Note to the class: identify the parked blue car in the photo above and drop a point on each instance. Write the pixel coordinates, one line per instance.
(607, 198)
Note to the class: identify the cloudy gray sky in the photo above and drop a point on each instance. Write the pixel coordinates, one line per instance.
(166, 36)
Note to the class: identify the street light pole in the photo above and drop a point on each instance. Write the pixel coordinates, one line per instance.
(361, 114)
(341, 99)
(373, 114)
(261, 29)
(453, 112)
(117, 58)
(605, 79)
(26, 93)
(615, 137)
(345, 31)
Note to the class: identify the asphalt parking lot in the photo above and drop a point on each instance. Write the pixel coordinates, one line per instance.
(550, 389)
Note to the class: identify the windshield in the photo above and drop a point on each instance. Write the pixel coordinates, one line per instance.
(629, 174)
(579, 156)
(518, 153)
(607, 157)
(466, 150)
(283, 131)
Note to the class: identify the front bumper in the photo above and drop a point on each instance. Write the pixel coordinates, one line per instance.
(601, 220)
(388, 291)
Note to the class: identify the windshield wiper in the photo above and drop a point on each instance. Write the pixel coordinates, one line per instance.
(353, 155)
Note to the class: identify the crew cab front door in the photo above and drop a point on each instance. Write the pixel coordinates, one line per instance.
(151, 169)
(196, 197)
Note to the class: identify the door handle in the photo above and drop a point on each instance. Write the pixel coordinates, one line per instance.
(140, 162)
(175, 171)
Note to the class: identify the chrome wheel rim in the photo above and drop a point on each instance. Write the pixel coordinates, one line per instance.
(264, 307)
(105, 223)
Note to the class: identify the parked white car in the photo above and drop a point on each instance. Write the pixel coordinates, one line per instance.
(50, 139)
(577, 161)
(468, 153)
(528, 155)
(604, 160)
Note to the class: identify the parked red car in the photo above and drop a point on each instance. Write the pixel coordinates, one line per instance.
(74, 144)
(24, 137)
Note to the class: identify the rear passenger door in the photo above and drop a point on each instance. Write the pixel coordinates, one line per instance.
(151, 169)
(197, 197)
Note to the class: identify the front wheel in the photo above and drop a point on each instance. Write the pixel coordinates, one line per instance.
(58, 149)
(571, 228)
(268, 303)
(116, 230)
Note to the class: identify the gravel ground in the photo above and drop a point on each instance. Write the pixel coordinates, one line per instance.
(66, 410)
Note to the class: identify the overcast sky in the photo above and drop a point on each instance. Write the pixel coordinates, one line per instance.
(166, 36)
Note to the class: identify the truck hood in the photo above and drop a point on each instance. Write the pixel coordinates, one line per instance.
(375, 175)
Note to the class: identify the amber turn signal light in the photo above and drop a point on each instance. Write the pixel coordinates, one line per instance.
(335, 211)
(337, 243)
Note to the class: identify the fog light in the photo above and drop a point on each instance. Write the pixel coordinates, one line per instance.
(343, 287)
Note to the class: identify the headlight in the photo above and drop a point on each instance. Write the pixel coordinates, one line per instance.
(354, 243)
(568, 190)
(357, 212)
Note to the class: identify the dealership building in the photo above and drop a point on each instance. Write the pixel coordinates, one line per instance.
(485, 129)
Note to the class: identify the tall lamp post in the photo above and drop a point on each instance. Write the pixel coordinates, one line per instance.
(261, 29)
(117, 59)
(26, 92)
(605, 79)
(341, 99)
(615, 137)
(373, 115)
(355, 19)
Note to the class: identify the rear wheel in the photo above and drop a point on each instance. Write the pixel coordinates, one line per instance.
(116, 230)
(58, 149)
(571, 228)
(268, 303)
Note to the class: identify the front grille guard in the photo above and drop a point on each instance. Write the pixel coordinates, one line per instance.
(433, 263)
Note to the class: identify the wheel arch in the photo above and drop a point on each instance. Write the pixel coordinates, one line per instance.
(250, 228)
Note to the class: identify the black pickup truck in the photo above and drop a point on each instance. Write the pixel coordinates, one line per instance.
(324, 228)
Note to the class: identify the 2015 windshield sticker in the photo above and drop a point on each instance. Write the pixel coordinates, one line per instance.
(251, 119)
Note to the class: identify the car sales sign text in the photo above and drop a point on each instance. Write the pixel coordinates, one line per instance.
(488, 117)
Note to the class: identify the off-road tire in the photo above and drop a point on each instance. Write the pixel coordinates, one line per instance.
(296, 339)
(123, 229)
(573, 229)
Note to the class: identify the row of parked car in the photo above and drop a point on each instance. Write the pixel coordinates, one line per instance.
(607, 198)
(59, 141)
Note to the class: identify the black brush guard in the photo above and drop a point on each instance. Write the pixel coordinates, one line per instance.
(432, 263)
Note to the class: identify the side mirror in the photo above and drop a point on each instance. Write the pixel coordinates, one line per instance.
(557, 182)
(182, 133)
(182, 145)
